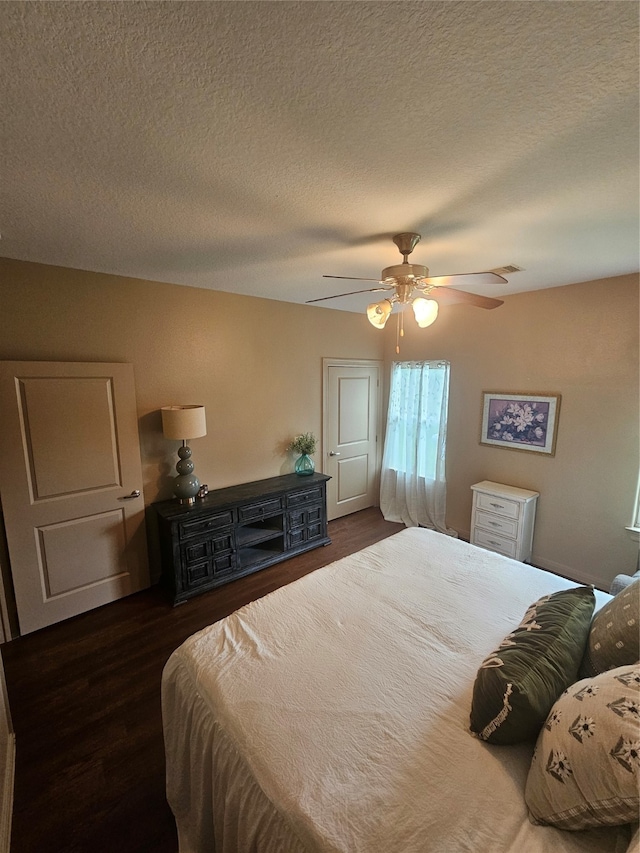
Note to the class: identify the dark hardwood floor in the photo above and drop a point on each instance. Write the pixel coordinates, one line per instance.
(85, 702)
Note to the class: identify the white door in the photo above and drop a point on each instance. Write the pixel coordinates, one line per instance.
(71, 487)
(351, 433)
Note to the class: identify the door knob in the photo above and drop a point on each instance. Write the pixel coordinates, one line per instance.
(333, 453)
(134, 494)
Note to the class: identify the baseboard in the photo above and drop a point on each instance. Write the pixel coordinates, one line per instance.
(567, 572)
(7, 765)
(6, 794)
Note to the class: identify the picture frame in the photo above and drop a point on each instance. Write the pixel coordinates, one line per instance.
(520, 421)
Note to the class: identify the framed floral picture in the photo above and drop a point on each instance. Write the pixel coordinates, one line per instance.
(520, 421)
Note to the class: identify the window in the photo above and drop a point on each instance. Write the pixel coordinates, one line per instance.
(634, 527)
(417, 417)
(412, 483)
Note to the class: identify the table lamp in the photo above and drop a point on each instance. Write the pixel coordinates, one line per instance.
(184, 423)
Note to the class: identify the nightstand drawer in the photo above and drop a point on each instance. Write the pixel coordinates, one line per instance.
(502, 506)
(497, 524)
(494, 542)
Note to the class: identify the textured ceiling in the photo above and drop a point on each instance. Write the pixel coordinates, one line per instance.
(253, 146)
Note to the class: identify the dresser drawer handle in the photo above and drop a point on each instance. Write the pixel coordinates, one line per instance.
(495, 524)
(493, 542)
(497, 506)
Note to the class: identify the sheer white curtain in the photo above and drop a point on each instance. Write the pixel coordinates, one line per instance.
(413, 486)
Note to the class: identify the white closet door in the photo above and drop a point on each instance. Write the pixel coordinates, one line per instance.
(71, 487)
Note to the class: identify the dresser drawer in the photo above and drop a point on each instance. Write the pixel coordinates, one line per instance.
(306, 515)
(203, 573)
(502, 506)
(260, 510)
(495, 542)
(304, 497)
(198, 526)
(306, 533)
(497, 524)
(222, 543)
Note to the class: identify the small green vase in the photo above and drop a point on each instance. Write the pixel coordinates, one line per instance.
(304, 465)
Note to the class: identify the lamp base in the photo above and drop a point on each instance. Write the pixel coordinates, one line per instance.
(186, 484)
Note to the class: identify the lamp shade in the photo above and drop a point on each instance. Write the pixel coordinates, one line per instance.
(183, 422)
(425, 310)
(378, 313)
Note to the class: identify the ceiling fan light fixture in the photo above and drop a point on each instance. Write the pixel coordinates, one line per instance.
(378, 313)
(425, 311)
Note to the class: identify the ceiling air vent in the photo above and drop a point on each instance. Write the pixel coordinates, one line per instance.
(506, 270)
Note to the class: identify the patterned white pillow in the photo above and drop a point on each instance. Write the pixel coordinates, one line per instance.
(586, 766)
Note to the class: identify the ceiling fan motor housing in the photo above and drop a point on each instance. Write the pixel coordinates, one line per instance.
(410, 271)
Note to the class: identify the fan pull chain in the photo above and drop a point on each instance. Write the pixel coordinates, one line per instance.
(399, 330)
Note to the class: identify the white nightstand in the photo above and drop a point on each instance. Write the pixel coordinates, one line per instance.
(502, 519)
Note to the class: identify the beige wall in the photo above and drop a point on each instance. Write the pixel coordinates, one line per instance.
(580, 341)
(256, 364)
(257, 367)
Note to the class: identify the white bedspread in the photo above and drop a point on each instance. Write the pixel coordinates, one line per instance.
(333, 714)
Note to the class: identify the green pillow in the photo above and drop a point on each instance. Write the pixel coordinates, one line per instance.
(517, 684)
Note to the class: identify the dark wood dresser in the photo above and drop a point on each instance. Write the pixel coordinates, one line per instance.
(238, 530)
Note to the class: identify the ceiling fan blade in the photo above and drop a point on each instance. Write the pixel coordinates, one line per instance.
(351, 277)
(468, 279)
(451, 297)
(350, 293)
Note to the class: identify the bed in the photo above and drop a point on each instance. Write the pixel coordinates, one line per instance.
(332, 716)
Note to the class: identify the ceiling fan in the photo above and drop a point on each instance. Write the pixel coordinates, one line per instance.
(409, 284)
